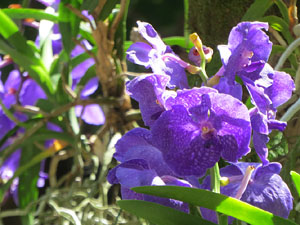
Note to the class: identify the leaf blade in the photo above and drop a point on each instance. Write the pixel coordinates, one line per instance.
(160, 215)
(217, 202)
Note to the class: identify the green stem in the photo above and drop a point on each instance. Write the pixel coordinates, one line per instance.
(186, 19)
(223, 219)
(215, 178)
(293, 46)
(203, 75)
(215, 187)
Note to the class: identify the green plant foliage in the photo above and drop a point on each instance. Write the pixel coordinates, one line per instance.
(257, 10)
(37, 14)
(27, 188)
(277, 146)
(159, 214)
(296, 179)
(217, 202)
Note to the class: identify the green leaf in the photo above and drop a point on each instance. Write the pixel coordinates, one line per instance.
(107, 9)
(257, 10)
(23, 54)
(120, 35)
(37, 14)
(280, 25)
(27, 189)
(217, 202)
(177, 40)
(37, 156)
(283, 10)
(33, 65)
(89, 5)
(68, 25)
(296, 179)
(8, 27)
(46, 49)
(10, 32)
(160, 215)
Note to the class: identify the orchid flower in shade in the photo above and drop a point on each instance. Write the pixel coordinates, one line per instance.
(142, 164)
(199, 127)
(258, 185)
(152, 56)
(247, 51)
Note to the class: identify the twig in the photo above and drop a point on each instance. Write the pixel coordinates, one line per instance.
(30, 109)
(98, 9)
(63, 155)
(66, 213)
(117, 20)
(10, 149)
(9, 114)
(77, 13)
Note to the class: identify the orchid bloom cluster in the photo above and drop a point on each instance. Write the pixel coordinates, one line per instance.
(191, 129)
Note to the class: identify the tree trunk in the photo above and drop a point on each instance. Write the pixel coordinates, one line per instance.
(213, 19)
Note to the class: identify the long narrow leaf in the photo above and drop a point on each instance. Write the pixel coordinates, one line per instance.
(37, 14)
(27, 188)
(218, 202)
(283, 10)
(280, 25)
(257, 10)
(296, 179)
(33, 65)
(160, 215)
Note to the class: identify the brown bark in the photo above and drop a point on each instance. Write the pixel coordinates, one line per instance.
(213, 19)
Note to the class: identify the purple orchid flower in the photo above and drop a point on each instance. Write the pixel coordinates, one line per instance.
(199, 127)
(142, 164)
(247, 51)
(258, 185)
(150, 91)
(263, 116)
(152, 56)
